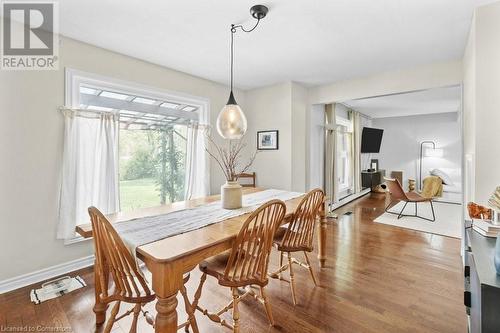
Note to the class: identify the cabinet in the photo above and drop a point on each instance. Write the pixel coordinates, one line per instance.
(482, 284)
(370, 179)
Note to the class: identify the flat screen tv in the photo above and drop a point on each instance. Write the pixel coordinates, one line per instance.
(371, 140)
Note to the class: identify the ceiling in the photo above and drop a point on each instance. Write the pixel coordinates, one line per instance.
(311, 42)
(438, 100)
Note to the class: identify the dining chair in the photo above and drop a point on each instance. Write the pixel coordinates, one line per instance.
(251, 176)
(245, 265)
(398, 194)
(297, 236)
(129, 283)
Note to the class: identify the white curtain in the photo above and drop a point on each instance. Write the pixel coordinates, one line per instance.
(197, 179)
(331, 177)
(356, 142)
(89, 168)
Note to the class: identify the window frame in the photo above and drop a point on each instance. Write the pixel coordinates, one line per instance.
(345, 188)
(75, 78)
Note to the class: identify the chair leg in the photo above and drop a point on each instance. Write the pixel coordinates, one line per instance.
(292, 279)
(137, 311)
(402, 210)
(387, 207)
(432, 209)
(267, 306)
(433, 214)
(190, 311)
(310, 268)
(278, 273)
(111, 319)
(281, 263)
(197, 294)
(236, 312)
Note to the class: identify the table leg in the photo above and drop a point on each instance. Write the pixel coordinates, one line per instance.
(322, 238)
(100, 277)
(166, 284)
(166, 319)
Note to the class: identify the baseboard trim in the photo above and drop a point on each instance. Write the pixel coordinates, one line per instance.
(348, 199)
(45, 274)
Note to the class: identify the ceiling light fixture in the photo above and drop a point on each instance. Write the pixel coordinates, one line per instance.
(231, 122)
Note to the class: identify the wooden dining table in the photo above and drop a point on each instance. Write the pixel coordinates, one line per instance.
(169, 258)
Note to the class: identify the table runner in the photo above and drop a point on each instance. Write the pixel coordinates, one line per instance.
(141, 231)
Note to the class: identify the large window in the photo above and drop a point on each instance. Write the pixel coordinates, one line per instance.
(152, 145)
(152, 166)
(344, 158)
(128, 146)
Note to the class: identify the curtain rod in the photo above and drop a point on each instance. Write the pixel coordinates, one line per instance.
(87, 113)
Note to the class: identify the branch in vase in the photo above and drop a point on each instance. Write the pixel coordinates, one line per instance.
(229, 159)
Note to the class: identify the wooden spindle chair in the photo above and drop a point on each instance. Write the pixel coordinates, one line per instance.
(298, 237)
(245, 265)
(251, 176)
(114, 260)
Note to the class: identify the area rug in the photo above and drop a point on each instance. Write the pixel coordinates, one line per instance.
(448, 218)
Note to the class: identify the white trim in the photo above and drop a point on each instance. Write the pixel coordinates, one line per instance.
(137, 107)
(76, 239)
(348, 199)
(344, 122)
(44, 274)
(74, 78)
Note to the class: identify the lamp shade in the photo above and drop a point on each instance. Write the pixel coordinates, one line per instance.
(434, 152)
(231, 122)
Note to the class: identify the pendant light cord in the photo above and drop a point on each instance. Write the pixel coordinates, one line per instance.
(233, 31)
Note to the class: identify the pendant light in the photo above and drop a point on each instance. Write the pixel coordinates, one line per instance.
(231, 122)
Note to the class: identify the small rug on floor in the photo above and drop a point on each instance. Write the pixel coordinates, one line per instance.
(448, 218)
(56, 288)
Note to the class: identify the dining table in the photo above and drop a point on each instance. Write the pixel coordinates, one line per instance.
(168, 259)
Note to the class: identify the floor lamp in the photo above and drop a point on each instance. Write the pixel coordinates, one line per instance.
(420, 183)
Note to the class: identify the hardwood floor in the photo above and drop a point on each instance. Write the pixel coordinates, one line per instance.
(378, 278)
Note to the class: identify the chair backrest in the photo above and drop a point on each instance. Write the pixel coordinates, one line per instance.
(251, 176)
(249, 256)
(395, 189)
(112, 254)
(300, 232)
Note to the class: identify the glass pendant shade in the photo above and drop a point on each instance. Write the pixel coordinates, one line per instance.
(231, 122)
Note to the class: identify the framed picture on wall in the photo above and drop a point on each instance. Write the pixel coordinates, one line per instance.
(267, 140)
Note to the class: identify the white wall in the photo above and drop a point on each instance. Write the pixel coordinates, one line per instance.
(469, 117)
(300, 133)
(269, 108)
(487, 115)
(281, 107)
(31, 133)
(316, 146)
(400, 146)
(482, 99)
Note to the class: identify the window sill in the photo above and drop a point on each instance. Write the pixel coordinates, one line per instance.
(75, 240)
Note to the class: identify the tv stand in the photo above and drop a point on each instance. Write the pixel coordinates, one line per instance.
(371, 179)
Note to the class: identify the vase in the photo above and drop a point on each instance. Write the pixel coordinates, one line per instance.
(231, 194)
(496, 258)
